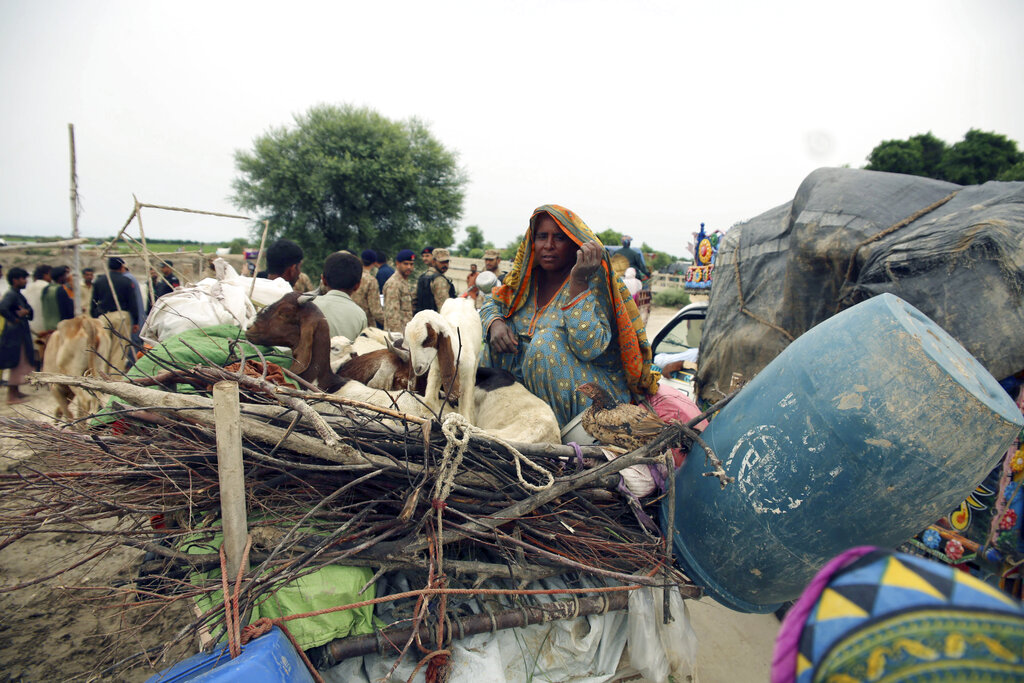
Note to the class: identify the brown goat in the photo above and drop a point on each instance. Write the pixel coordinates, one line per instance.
(296, 322)
(395, 368)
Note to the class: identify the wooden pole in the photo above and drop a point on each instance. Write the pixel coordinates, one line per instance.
(231, 473)
(259, 255)
(80, 306)
(145, 254)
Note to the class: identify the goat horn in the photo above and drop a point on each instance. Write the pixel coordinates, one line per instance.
(305, 298)
(397, 346)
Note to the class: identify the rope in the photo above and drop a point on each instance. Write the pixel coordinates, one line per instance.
(455, 420)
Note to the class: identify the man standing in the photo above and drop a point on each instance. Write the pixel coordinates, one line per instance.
(33, 293)
(115, 291)
(398, 293)
(88, 274)
(492, 262)
(433, 287)
(428, 256)
(384, 271)
(634, 257)
(341, 278)
(58, 304)
(284, 260)
(368, 294)
(471, 278)
(166, 284)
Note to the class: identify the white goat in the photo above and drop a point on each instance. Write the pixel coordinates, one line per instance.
(466, 340)
(403, 401)
(341, 351)
(507, 409)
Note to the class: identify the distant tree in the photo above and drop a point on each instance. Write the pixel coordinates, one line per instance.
(979, 157)
(897, 156)
(237, 245)
(348, 178)
(655, 260)
(610, 238)
(511, 249)
(1015, 172)
(474, 241)
(475, 253)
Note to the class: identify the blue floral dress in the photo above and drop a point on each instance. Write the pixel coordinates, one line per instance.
(561, 346)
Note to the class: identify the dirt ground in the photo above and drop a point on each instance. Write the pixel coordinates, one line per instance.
(45, 634)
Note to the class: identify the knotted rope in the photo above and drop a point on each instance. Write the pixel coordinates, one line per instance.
(453, 421)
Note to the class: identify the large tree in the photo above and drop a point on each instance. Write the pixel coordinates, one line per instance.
(978, 158)
(348, 178)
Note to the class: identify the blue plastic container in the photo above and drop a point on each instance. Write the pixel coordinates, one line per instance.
(271, 658)
(872, 425)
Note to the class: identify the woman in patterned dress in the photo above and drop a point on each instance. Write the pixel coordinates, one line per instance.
(563, 318)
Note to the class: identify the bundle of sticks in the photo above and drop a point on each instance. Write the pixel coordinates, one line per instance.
(353, 485)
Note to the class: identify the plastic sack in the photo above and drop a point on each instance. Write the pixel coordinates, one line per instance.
(646, 653)
(678, 639)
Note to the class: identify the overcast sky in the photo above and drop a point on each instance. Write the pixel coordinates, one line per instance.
(647, 117)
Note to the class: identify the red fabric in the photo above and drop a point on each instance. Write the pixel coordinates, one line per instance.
(672, 405)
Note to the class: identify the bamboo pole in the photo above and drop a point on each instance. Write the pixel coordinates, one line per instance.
(45, 245)
(259, 255)
(231, 472)
(145, 253)
(76, 259)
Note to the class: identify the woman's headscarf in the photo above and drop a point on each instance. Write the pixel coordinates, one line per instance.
(634, 349)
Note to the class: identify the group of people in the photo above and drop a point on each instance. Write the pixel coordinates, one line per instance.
(31, 311)
(559, 318)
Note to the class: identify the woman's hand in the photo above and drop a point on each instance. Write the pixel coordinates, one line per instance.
(588, 260)
(501, 338)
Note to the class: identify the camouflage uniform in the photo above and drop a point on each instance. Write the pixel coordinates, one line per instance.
(368, 298)
(397, 302)
(441, 288)
(303, 284)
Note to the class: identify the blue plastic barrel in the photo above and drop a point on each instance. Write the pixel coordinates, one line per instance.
(271, 658)
(867, 428)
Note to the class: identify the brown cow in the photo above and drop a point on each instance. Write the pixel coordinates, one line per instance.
(78, 347)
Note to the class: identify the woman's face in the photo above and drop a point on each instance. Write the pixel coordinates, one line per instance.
(552, 248)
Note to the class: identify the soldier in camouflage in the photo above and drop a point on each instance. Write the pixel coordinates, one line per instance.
(398, 292)
(368, 294)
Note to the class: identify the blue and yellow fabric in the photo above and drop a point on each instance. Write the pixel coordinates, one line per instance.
(877, 615)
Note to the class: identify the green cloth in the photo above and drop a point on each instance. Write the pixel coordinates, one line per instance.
(330, 586)
(220, 345)
(51, 310)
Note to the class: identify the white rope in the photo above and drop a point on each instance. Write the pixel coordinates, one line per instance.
(450, 465)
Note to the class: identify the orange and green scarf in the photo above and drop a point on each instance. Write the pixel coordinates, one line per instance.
(634, 348)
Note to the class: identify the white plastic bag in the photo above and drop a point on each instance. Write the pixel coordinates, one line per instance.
(646, 652)
(678, 639)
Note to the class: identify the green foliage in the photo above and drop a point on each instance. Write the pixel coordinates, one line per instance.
(672, 298)
(979, 157)
(610, 238)
(474, 242)
(655, 260)
(237, 245)
(476, 253)
(510, 250)
(976, 159)
(1015, 172)
(344, 177)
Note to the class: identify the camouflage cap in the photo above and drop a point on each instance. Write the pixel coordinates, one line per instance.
(491, 253)
(441, 255)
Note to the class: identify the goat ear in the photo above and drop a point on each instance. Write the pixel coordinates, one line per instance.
(320, 361)
(446, 363)
(399, 348)
(431, 340)
(303, 351)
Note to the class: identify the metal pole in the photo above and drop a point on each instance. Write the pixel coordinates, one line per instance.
(80, 305)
